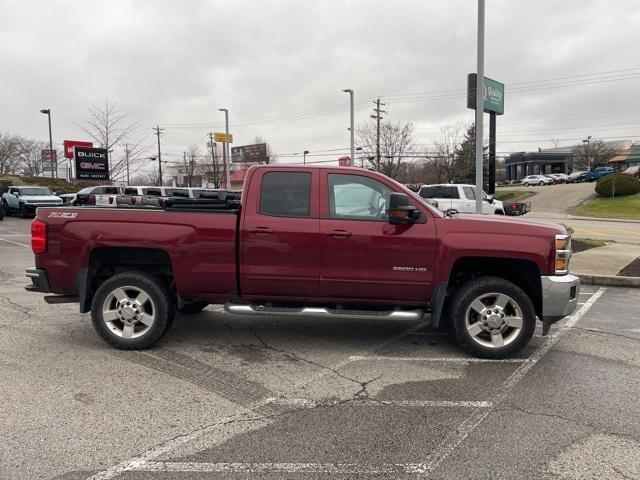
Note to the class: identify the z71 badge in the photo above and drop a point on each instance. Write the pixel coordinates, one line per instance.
(63, 215)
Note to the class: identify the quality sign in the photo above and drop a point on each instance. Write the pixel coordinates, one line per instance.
(92, 163)
(492, 95)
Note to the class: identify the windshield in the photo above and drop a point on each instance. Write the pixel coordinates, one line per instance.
(35, 191)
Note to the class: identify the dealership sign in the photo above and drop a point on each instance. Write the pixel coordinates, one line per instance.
(250, 154)
(493, 94)
(48, 156)
(91, 163)
(70, 144)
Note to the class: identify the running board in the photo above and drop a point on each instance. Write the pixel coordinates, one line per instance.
(322, 312)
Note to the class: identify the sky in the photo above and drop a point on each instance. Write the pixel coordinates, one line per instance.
(571, 69)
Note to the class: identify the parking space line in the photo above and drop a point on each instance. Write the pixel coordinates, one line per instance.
(359, 358)
(172, 444)
(326, 468)
(15, 243)
(308, 403)
(451, 442)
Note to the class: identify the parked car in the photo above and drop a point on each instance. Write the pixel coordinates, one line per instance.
(155, 196)
(633, 171)
(597, 173)
(68, 198)
(98, 195)
(299, 243)
(559, 177)
(536, 180)
(25, 200)
(577, 176)
(460, 198)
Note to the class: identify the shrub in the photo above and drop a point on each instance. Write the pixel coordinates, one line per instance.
(617, 185)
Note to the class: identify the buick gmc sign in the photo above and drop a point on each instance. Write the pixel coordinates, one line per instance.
(92, 163)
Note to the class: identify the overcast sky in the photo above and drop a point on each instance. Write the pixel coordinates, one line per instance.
(280, 67)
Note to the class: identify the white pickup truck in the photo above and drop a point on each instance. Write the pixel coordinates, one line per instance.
(460, 198)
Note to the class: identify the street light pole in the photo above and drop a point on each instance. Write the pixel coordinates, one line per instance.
(479, 105)
(54, 165)
(225, 148)
(588, 142)
(304, 157)
(350, 92)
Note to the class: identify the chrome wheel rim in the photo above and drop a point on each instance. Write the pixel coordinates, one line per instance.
(128, 312)
(494, 320)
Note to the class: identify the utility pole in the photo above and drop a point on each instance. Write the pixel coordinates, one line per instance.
(479, 105)
(126, 157)
(353, 150)
(225, 149)
(158, 130)
(186, 167)
(214, 178)
(378, 117)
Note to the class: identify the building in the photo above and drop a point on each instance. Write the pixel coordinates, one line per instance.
(549, 160)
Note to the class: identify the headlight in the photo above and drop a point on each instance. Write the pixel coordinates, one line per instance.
(563, 254)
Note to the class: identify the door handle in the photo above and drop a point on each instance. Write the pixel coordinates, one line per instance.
(261, 230)
(338, 233)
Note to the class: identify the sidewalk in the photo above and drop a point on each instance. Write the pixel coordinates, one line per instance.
(599, 266)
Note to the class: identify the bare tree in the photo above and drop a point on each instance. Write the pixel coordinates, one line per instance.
(211, 166)
(594, 153)
(188, 166)
(30, 156)
(443, 149)
(146, 177)
(9, 152)
(396, 146)
(109, 127)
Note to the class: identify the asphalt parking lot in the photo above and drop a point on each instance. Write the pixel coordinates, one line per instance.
(226, 397)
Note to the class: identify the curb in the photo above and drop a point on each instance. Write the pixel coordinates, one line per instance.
(609, 281)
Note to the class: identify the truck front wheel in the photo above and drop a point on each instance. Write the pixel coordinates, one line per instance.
(132, 310)
(492, 317)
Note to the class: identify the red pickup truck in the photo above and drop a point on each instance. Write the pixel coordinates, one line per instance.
(306, 241)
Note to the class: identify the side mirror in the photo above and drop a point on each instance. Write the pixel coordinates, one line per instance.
(400, 212)
(490, 198)
(54, 193)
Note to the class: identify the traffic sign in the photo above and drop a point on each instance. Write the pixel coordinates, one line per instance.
(223, 137)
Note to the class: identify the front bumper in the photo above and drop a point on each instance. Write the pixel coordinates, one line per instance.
(39, 280)
(559, 296)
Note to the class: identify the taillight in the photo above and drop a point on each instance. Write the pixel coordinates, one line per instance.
(133, 200)
(563, 254)
(111, 200)
(38, 237)
(91, 199)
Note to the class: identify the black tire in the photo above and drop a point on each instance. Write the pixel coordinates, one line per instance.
(499, 212)
(476, 288)
(526, 184)
(192, 307)
(5, 207)
(160, 305)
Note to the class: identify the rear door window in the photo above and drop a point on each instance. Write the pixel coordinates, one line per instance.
(469, 192)
(286, 194)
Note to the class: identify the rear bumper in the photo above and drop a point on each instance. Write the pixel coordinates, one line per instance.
(559, 296)
(39, 280)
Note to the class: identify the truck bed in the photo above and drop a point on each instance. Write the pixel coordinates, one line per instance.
(201, 243)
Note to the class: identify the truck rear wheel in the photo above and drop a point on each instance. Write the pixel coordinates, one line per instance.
(132, 310)
(492, 317)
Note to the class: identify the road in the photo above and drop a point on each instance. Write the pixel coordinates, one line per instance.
(553, 204)
(226, 397)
